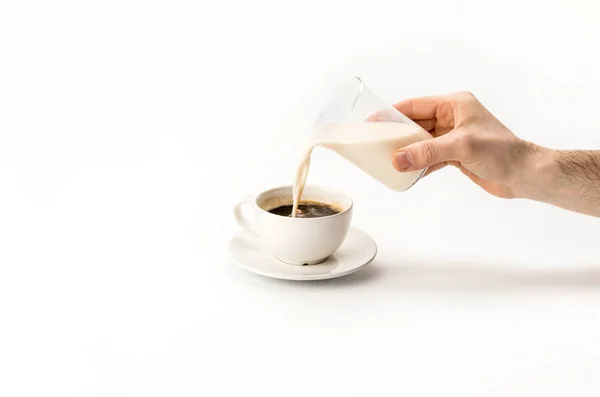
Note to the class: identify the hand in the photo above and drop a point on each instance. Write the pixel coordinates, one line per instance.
(469, 137)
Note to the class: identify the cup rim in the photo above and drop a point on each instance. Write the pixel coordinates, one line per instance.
(326, 189)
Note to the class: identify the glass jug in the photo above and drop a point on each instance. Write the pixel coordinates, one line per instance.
(365, 130)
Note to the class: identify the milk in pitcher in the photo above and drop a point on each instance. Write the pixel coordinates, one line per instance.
(368, 145)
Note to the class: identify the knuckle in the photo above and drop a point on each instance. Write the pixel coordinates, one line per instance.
(467, 96)
(429, 151)
(445, 113)
(465, 99)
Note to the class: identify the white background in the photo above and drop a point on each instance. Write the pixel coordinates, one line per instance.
(128, 130)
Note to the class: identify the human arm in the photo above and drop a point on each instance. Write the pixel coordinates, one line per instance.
(568, 179)
(470, 138)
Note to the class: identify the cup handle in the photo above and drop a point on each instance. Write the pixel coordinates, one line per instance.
(241, 219)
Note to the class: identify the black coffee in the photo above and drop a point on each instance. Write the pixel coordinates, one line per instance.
(306, 210)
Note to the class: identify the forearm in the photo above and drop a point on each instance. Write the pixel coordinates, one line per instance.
(568, 179)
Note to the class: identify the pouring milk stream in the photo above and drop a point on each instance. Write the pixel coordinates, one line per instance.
(370, 145)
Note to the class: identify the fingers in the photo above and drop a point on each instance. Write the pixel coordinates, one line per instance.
(444, 109)
(427, 125)
(420, 108)
(382, 115)
(426, 153)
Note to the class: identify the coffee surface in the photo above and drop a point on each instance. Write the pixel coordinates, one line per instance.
(306, 210)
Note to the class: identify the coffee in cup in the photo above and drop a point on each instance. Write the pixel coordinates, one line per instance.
(307, 209)
(307, 239)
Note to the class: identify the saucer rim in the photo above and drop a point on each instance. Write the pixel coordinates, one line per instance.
(316, 277)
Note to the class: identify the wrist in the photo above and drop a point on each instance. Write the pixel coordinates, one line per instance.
(540, 175)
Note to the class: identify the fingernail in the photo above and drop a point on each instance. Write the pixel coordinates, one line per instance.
(403, 160)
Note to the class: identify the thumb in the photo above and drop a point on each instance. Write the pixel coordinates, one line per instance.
(426, 153)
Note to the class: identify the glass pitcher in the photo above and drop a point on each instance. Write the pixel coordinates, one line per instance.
(365, 130)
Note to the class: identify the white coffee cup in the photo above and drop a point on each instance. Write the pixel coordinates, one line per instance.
(297, 241)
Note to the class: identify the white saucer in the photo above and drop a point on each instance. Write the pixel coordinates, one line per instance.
(357, 251)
